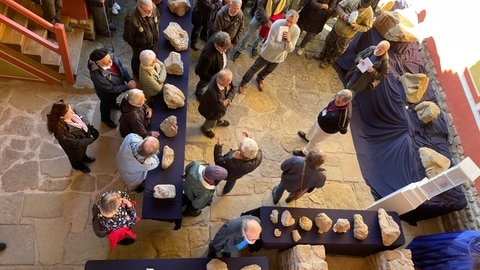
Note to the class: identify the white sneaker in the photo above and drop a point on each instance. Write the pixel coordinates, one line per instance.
(117, 6)
(114, 11)
(300, 51)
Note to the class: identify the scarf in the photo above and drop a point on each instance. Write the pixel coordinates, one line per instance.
(278, 9)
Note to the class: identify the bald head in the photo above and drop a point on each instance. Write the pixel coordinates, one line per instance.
(252, 229)
(149, 147)
(224, 77)
(382, 48)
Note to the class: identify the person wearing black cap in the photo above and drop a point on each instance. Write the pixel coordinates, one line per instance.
(353, 16)
(110, 78)
(199, 186)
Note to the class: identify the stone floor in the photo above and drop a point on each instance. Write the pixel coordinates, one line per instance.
(45, 206)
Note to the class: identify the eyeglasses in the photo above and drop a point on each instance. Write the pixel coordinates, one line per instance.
(148, 12)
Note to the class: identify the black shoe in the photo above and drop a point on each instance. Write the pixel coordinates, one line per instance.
(298, 153)
(112, 26)
(110, 124)
(3, 246)
(223, 123)
(192, 213)
(290, 198)
(226, 254)
(82, 168)
(235, 55)
(88, 159)
(126, 241)
(199, 96)
(254, 52)
(140, 188)
(194, 46)
(273, 195)
(212, 253)
(302, 135)
(208, 133)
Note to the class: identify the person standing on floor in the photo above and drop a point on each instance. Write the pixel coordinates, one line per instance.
(235, 234)
(135, 158)
(141, 31)
(101, 11)
(230, 19)
(110, 78)
(332, 119)
(281, 41)
(152, 74)
(353, 16)
(238, 162)
(136, 115)
(199, 186)
(313, 17)
(300, 175)
(72, 133)
(212, 59)
(214, 103)
(52, 12)
(358, 81)
(203, 16)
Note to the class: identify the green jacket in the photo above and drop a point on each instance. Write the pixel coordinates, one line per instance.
(195, 188)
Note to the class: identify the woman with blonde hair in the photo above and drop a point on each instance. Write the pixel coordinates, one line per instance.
(72, 133)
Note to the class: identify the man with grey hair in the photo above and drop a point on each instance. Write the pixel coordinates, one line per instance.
(334, 118)
(230, 19)
(135, 158)
(136, 115)
(214, 103)
(212, 59)
(280, 42)
(141, 31)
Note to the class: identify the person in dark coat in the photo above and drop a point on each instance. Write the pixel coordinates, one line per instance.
(72, 133)
(141, 31)
(358, 81)
(235, 235)
(332, 119)
(313, 17)
(136, 115)
(215, 101)
(110, 79)
(102, 16)
(238, 162)
(230, 19)
(199, 186)
(300, 175)
(212, 59)
(203, 16)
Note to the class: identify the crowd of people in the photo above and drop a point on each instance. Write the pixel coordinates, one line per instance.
(222, 28)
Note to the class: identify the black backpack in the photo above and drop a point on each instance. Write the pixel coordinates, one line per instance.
(99, 230)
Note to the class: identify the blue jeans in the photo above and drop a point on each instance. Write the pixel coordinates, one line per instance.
(278, 191)
(253, 28)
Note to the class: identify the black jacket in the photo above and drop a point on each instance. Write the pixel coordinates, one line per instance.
(236, 168)
(211, 106)
(75, 142)
(333, 119)
(210, 61)
(133, 120)
(109, 85)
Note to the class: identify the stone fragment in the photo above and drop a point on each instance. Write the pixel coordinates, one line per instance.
(287, 219)
(323, 222)
(427, 111)
(167, 157)
(179, 7)
(164, 191)
(433, 162)
(341, 226)
(305, 223)
(169, 126)
(274, 216)
(277, 232)
(174, 64)
(296, 236)
(177, 36)
(174, 97)
(414, 85)
(388, 227)
(216, 264)
(360, 229)
(251, 267)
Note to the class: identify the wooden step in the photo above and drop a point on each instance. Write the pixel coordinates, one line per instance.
(75, 42)
(10, 36)
(32, 48)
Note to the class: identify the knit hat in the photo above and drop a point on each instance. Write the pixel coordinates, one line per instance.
(249, 148)
(215, 173)
(98, 54)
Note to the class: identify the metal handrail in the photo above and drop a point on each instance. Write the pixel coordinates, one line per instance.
(58, 29)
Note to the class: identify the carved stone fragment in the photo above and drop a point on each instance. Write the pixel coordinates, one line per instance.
(305, 223)
(169, 126)
(427, 111)
(341, 226)
(323, 222)
(287, 219)
(164, 191)
(167, 157)
(433, 162)
(274, 216)
(360, 229)
(174, 97)
(388, 227)
(174, 64)
(177, 36)
(414, 85)
(296, 236)
(251, 267)
(277, 232)
(179, 7)
(216, 264)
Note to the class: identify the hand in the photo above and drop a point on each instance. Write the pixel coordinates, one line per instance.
(226, 102)
(370, 69)
(269, 24)
(149, 113)
(245, 133)
(286, 36)
(132, 84)
(353, 25)
(219, 140)
(126, 202)
(345, 17)
(324, 6)
(155, 133)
